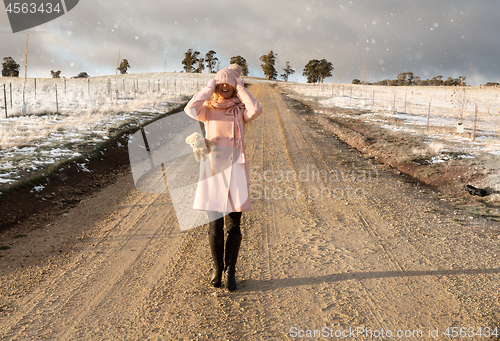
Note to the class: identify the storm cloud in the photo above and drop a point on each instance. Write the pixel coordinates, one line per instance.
(384, 38)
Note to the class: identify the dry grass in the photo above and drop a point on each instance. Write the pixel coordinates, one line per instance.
(85, 102)
(447, 102)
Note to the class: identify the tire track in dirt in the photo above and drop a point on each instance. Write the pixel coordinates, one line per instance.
(306, 153)
(61, 280)
(249, 305)
(266, 232)
(108, 312)
(84, 292)
(244, 313)
(156, 256)
(219, 314)
(362, 223)
(411, 224)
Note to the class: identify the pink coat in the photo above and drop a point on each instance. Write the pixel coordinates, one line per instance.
(224, 177)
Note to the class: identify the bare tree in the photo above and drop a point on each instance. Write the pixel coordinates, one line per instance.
(287, 72)
(26, 48)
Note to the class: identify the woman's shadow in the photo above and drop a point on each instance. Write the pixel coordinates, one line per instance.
(272, 284)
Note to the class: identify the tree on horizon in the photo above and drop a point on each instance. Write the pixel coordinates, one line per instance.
(190, 59)
(241, 62)
(200, 62)
(287, 72)
(268, 62)
(124, 66)
(317, 70)
(10, 68)
(55, 74)
(82, 74)
(211, 61)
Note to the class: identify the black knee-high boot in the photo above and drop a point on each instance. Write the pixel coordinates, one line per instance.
(217, 250)
(216, 242)
(233, 243)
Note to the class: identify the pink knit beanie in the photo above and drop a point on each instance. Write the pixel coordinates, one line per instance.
(236, 68)
(228, 75)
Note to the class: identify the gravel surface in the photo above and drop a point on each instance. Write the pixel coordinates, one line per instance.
(335, 243)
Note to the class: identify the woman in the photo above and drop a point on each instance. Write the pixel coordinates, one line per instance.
(225, 106)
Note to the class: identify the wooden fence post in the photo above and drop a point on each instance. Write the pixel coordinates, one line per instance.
(394, 104)
(405, 103)
(5, 100)
(10, 84)
(475, 124)
(428, 116)
(57, 102)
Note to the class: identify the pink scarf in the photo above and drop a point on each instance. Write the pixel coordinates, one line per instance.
(234, 107)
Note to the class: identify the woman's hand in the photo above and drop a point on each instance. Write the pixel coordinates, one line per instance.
(211, 84)
(239, 82)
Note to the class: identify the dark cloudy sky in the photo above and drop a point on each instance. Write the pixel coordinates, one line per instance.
(427, 37)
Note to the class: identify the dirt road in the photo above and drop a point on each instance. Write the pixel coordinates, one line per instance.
(334, 246)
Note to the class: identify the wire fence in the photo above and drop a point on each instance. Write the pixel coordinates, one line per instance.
(51, 95)
(461, 106)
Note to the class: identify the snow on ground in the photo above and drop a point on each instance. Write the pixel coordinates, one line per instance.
(58, 125)
(407, 109)
(86, 113)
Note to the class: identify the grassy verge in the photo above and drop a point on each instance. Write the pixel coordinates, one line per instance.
(409, 156)
(89, 153)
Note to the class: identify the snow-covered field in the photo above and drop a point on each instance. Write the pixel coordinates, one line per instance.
(432, 112)
(86, 113)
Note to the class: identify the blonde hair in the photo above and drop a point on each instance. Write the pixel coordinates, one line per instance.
(215, 97)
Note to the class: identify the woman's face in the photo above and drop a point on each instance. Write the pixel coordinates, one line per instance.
(225, 90)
